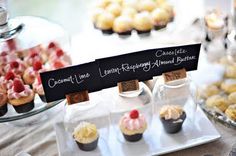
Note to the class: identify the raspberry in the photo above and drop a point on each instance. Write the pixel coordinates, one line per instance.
(14, 64)
(37, 65)
(10, 75)
(58, 65)
(51, 45)
(134, 114)
(18, 86)
(59, 53)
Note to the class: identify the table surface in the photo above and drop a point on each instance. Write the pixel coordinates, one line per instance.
(40, 140)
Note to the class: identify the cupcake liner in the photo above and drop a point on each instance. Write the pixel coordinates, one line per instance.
(146, 33)
(24, 107)
(43, 98)
(158, 27)
(171, 126)
(88, 147)
(133, 138)
(3, 110)
(126, 33)
(108, 32)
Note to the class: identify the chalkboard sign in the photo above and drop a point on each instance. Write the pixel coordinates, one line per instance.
(72, 79)
(143, 65)
(107, 72)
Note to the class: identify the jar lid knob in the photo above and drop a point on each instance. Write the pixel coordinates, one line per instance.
(3, 16)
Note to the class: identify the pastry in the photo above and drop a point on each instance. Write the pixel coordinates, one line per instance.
(232, 98)
(172, 118)
(230, 71)
(229, 85)
(6, 81)
(21, 97)
(58, 64)
(38, 88)
(169, 9)
(3, 103)
(31, 73)
(146, 5)
(114, 8)
(105, 22)
(133, 125)
(214, 21)
(123, 25)
(231, 112)
(143, 22)
(160, 18)
(96, 13)
(32, 57)
(209, 91)
(17, 66)
(59, 54)
(86, 136)
(128, 11)
(103, 3)
(130, 4)
(218, 102)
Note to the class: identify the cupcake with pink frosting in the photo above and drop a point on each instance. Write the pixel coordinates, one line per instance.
(38, 88)
(21, 97)
(6, 82)
(133, 125)
(16, 66)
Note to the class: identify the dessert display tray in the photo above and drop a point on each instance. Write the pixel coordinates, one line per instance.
(154, 142)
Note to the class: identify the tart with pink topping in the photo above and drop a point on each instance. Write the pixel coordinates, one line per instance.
(6, 81)
(17, 66)
(3, 103)
(31, 73)
(21, 97)
(38, 88)
(133, 125)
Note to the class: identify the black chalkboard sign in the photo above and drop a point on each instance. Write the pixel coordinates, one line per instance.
(72, 79)
(143, 65)
(107, 72)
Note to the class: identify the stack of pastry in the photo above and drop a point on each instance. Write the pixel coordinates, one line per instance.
(123, 16)
(19, 75)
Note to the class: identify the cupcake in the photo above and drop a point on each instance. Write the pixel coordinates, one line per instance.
(131, 12)
(133, 125)
(146, 5)
(123, 25)
(169, 9)
(143, 23)
(218, 102)
(172, 118)
(32, 57)
(32, 72)
(3, 103)
(160, 18)
(38, 88)
(214, 21)
(209, 90)
(231, 112)
(59, 54)
(114, 8)
(105, 22)
(130, 4)
(96, 13)
(58, 64)
(21, 97)
(6, 82)
(86, 136)
(228, 85)
(103, 4)
(17, 66)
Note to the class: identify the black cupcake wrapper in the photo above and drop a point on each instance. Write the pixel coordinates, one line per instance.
(133, 138)
(158, 27)
(107, 32)
(3, 110)
(88, 147)
(171, 126)
(24, 107)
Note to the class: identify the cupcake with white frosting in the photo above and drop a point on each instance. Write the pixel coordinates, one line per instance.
(105, 22)
(143, 23)
(160, 18)
(123, 25)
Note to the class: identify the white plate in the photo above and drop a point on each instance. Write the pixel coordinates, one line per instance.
(192, 134)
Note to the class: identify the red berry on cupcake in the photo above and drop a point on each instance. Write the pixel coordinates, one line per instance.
(10, 75)
(37, 65)
(52, 45)
(59, 52)
(14, 64)
(18, 86)
(134, 114)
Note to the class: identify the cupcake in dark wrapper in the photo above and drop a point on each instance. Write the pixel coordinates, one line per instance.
(160, 18)
(123, 25)
(38, 88)
(172, 118)
(3, 103)
(21, 97)
(143, 23)
(105, 22)
(86, 136)
(133, 125)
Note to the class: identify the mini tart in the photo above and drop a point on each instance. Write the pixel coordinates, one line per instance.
(146, 5)
(229, 85)
(22, 101)
(128, 11)
(172, 118)
(3, 103)
(114, 8)
(133, 125)
(143, 22)
(160, 18)
(86, 136)
(97, 12)
(231, 112)
(123, 25)
(105, 22)
(230, 71)
(217, 101)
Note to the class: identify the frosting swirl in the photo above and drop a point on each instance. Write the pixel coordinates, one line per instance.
(38, 87)
(14, 95)
(133, 124)
(171, 112)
